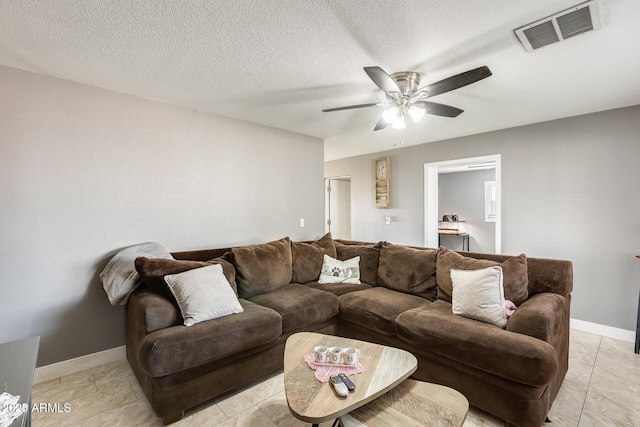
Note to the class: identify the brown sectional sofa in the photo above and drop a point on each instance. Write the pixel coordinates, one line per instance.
(403, 301)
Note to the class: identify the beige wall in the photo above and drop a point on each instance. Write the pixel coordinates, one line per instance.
(85, 171)
(570, 190)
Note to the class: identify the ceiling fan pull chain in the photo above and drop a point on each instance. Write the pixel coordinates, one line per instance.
(395, 137)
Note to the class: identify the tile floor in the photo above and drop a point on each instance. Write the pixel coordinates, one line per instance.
(601, 389)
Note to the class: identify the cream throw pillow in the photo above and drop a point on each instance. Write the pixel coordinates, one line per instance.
(203, 294)
(336, 271)
(479, 295)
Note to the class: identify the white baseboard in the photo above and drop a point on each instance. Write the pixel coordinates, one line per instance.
(603, 330)
(71, 366)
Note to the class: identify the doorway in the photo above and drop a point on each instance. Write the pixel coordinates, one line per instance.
(431, 212)
(337, 203)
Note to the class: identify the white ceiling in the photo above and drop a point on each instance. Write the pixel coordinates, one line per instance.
(278, 63)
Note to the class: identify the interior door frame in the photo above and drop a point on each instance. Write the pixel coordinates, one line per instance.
(327, 198)
(431, 171)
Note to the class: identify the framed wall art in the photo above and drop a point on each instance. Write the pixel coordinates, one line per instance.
(382, 182)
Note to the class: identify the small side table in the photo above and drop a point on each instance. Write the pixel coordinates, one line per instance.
(465, 239)
(17, 366)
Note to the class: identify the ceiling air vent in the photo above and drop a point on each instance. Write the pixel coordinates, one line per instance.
(578, 20)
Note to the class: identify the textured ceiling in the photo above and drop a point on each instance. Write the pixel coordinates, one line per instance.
(278, 63)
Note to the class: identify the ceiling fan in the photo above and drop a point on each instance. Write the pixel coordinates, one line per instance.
(404, 98)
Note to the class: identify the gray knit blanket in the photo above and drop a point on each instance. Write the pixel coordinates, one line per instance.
(119, 278)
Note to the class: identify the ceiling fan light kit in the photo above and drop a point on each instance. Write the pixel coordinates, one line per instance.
(399, 123)
(416, 113)
(396, 117)
(405, 98)
(389, 115)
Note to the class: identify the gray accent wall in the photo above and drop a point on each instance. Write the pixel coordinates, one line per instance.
(570, 190)
(462, 193)
(85, 172)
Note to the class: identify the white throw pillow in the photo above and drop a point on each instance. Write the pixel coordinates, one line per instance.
(336, 271)
(479, 295)
(203, 294)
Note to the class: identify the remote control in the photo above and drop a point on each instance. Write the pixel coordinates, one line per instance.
(340, 388)
(345, 379)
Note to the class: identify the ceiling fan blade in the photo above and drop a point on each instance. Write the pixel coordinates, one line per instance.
(382, 79)
(382, 123)
(351, 107)
(440, 109)
(457, 81)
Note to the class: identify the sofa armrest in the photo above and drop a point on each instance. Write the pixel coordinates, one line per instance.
(148, 312)
(543, 316)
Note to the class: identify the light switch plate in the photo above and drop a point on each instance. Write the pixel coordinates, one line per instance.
(387, 220)
(301, 222)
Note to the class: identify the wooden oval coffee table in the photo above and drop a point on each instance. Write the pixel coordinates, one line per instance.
(314, 402)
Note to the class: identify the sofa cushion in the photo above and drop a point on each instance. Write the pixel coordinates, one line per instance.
(262, 268)
(153, 270)
(203, 294)
(478, 294)
(521, 358)
(307, 258)
(377, 308)
(300, 306)
(369, 259)
(177, 348)
(338, 288)
(408, 270)
(514, 270)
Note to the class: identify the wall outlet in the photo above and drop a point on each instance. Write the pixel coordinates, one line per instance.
(301, 222)
(387, 220)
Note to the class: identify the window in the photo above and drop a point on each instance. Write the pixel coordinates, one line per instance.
(490, 201)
